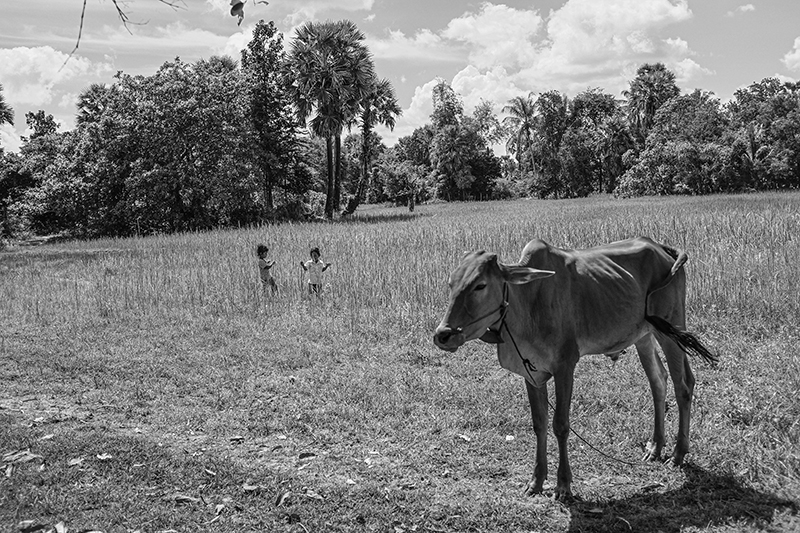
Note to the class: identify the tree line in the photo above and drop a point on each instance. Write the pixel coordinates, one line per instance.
(290, 133)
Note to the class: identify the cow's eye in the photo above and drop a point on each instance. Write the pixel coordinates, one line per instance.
(480, 287)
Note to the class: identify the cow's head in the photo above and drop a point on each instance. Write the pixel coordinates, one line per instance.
(477, 297)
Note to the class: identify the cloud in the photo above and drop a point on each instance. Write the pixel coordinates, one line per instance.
(417, 114)
(497, 35)
(32, 76)
(424, 45)
(583, 44)
(9, 138)
(305, 10)
(792, 58)
(741, 9)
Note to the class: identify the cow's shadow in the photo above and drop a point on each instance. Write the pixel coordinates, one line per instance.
(704, 499)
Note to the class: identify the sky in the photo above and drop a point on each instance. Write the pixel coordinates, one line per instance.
(485, 50)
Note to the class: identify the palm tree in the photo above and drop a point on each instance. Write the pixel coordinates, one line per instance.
(92, 102)
(522, 123)
(379, 107)
(6, 113)
(329, 71)
(649, 90)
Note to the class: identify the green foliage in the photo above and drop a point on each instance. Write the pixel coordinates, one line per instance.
(460, 159)
(275, 145)
(6, 113)
(329, 72)
(652, 87)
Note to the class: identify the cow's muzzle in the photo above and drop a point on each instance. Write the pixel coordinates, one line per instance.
(448, 338)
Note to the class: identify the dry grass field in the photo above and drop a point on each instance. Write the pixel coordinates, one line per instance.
(150, 385)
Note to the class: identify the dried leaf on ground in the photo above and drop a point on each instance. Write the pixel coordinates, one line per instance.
(29, 526)
(283, 498)
(313, 495)
(20, 456)
(181, 499)
(75, 462)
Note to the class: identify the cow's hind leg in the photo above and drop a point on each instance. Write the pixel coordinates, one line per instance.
(683, 381)
(657, 376)
(537, 397)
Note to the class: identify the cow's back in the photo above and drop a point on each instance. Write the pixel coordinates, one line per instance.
(600, 294)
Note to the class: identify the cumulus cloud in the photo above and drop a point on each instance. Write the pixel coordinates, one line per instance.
(417, 114)
(31, 76)
(425, 45)
(497, 35)
(741, 9)
(583, 44)
(9, 138)
(792, 58)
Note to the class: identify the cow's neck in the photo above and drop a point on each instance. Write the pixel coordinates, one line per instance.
(494, 333)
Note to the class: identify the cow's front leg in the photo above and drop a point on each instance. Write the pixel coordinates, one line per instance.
(563, 381)
(537, 397)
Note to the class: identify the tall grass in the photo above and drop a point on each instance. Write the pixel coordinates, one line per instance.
(743, 261)
(175, 335)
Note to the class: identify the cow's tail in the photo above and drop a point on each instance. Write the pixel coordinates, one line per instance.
(685, 340)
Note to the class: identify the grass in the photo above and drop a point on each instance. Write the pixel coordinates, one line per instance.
(225, 409)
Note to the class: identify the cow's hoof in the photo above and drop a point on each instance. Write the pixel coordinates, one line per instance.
(563, 495)
(533, 488)
(674, 460)
(651, 452)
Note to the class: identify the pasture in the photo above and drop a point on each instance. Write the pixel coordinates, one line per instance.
(155, 387)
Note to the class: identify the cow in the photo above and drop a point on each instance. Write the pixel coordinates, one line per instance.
(556, 305)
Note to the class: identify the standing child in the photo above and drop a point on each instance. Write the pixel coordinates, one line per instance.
(264, 266)
(315, 267)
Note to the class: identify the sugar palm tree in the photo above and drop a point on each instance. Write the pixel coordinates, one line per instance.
(522, 124)
(329, 72)
(649, 90)
(378, 107)
(6, 113)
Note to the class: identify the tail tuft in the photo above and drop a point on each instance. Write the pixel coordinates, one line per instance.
(687, 341)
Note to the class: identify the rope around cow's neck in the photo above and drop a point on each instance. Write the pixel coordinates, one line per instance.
(527, 365)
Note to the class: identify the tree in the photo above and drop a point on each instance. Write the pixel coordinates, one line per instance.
(521, 125)
(41, 123)
(378, 107)
(329, 72)
(652, 87)
(6, 113)
(765, 134)
(274, 127)
(92, 102)
(683, 152)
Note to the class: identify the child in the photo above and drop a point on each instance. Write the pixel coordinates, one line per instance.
(315, 267)
(264, 266)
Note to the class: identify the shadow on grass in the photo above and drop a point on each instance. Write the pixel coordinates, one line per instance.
(26, 256)
(367, 218)
(705, 499)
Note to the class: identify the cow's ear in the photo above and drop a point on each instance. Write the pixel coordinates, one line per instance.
(518, 275)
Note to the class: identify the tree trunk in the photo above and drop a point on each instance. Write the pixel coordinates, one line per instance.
(337, 173)
(355, 201)
(268, 200)
(329, 183)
